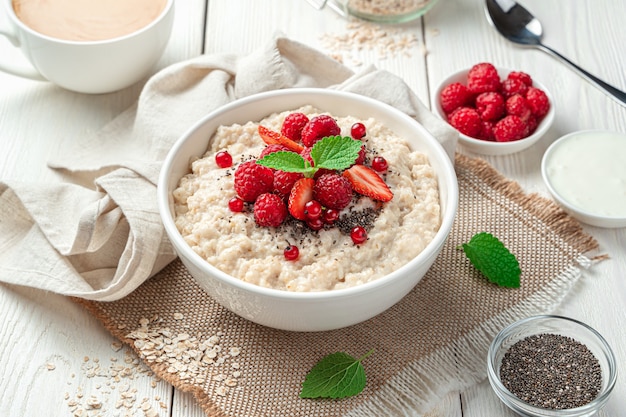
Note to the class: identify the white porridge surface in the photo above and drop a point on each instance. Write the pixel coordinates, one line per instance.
(328, 258)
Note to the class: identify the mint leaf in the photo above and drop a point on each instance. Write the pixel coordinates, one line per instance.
(493, 259)
(337, 375)
(287, 161)
(331, 152)
(335, 152)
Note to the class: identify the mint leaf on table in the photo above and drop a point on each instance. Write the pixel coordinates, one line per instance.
(493, 259)
(337, 375)
(331, 152)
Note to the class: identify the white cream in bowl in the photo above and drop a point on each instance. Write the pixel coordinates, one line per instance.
(586, 173)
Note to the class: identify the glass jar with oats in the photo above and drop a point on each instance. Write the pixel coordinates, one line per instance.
(383, 11)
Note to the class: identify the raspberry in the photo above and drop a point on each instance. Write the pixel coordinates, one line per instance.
(453, 96)
(271, 149)
(284, 181)
(486, 132)
(333, 191)
(510, 128)
(538, 102)
(518, 106)
(512, 86)
(520, 76)
(532, 124)
(293, 124)
(483, 78)
(466, 120)
(319, 127)
(252, 180)
(269, 210)
(490, 106)
(362, 155)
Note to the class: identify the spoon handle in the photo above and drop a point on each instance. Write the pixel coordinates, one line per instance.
(616, 94)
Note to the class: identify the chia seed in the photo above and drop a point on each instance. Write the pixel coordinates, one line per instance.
(551, 371)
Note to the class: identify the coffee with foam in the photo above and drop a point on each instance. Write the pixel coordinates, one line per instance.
(87, 20)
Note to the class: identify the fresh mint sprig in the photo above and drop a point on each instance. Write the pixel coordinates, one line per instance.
(493, 259)
(331, 152)
(337, 375)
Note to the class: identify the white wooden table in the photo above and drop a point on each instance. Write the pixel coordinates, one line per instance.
(55, 359)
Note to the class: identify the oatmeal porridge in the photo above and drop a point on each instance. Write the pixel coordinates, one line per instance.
(397, 230)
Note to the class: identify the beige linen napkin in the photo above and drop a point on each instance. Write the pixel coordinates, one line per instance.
(98, 235)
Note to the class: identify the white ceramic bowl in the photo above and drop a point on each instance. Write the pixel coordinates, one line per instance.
(310, 311)
(563, 326)
(585, 173)
(486, 147)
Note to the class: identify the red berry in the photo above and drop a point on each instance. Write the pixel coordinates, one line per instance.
(520, 76)
(284, 181)
(490, 106)
(358, 131)
(252, 180)
(223, 159)
(466, 120)
(486, 133)
(510, 128)
(235, 204)
(269, 210)
(293, 124)
(291, 252)
(330, 216)
(518, 106)
(319, 127)
(379, 164)
(333, 191)
(312, 210)
(271, 149)
(453, 96)
(482, 78)
(538, 102)
(315, 224)
(512, 86)
(362, 155)
(358, 235)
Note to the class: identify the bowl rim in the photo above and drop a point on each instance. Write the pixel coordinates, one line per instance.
(504, 393)
(516, 145)
(447, 219)
(557, 196)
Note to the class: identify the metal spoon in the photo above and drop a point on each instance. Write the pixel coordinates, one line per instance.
(517, 25)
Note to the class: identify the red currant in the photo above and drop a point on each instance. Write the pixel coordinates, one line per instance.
(379, 164)
(330, 216)
(235, 204)
(358, 234)
(223, 159)
(312, 210)
(315, 224)
(358, 131)
(291, 252)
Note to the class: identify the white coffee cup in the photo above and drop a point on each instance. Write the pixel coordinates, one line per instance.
(92, 67)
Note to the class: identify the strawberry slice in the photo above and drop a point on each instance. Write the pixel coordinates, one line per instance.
(271, 137)
(301, 193)
(366, 181)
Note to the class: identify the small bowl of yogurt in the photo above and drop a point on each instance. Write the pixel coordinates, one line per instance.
(585, 173)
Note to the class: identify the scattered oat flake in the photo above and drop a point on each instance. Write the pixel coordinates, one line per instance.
(50, 366)
(179, 316)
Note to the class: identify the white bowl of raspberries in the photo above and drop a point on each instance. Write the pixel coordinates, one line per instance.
(265, 213)
(496, 110)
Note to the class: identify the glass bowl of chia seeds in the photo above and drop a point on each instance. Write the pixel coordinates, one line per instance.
(551, 366)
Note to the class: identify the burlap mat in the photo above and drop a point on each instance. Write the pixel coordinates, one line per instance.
(433, 341)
